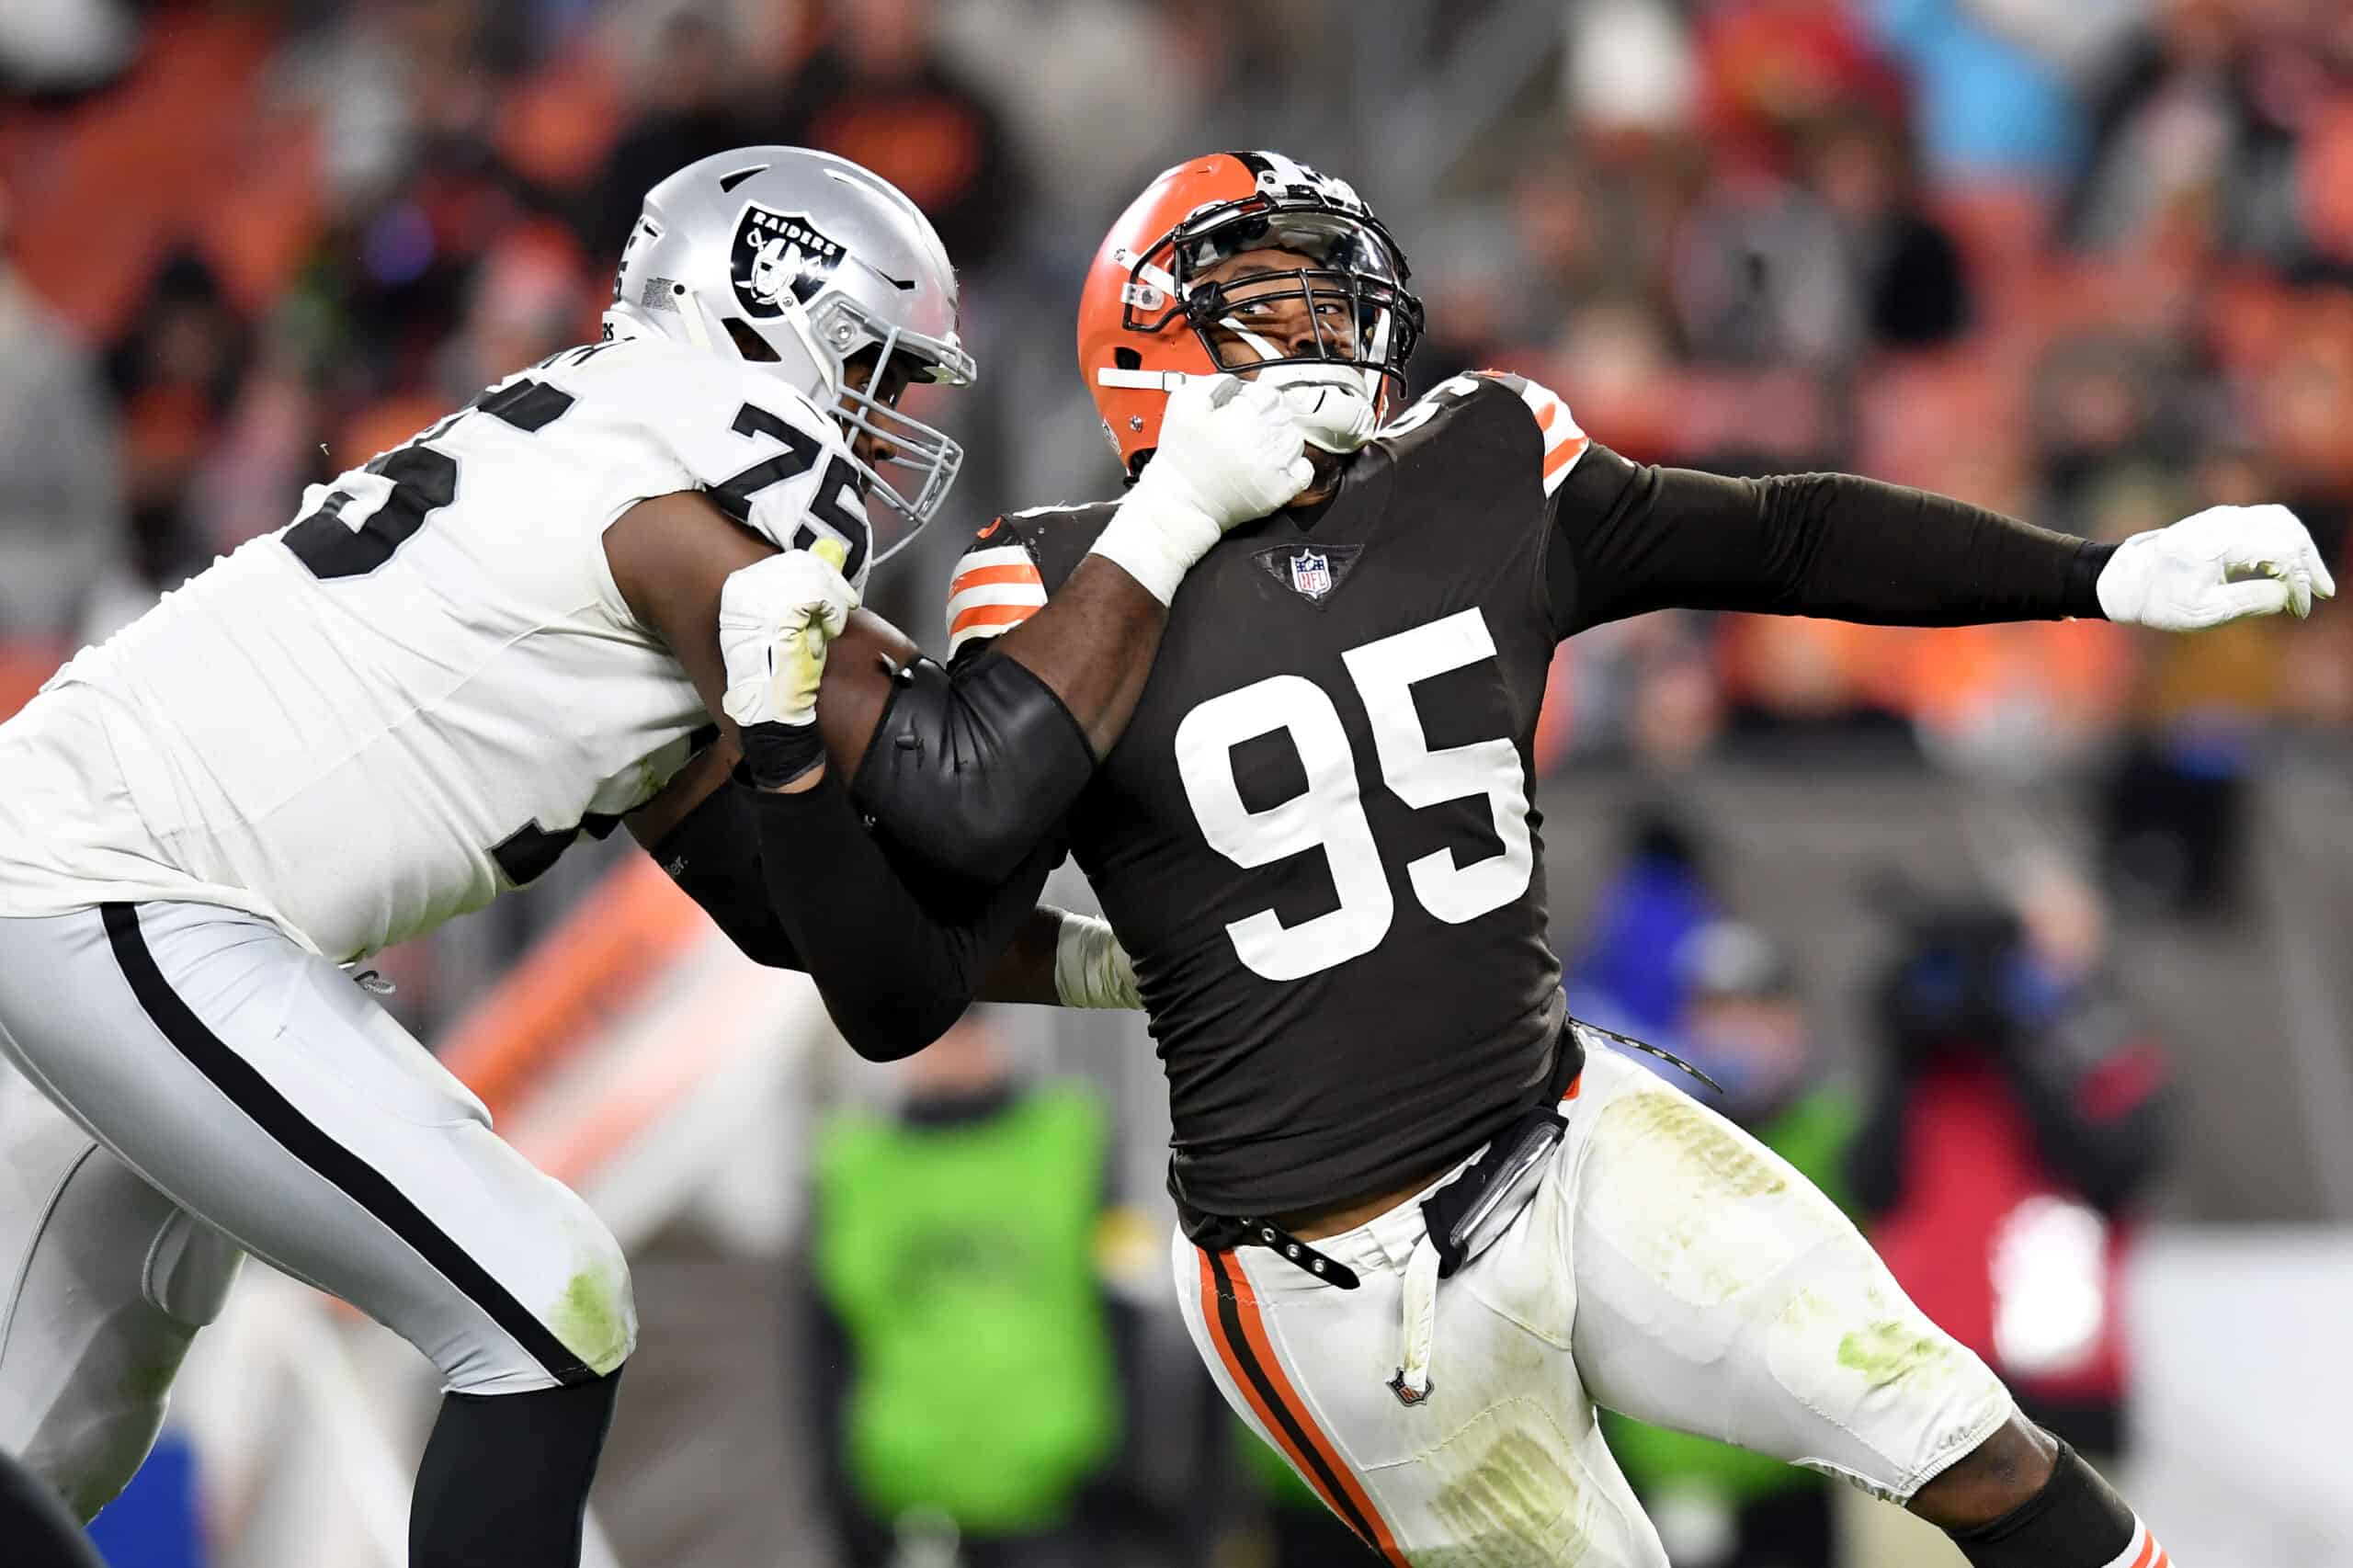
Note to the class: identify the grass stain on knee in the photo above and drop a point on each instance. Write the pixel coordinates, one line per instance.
(592, 1317)
(1894, 1351)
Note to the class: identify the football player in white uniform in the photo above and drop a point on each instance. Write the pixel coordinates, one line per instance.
(520, 626)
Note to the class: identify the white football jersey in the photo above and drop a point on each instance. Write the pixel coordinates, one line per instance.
(417, 694)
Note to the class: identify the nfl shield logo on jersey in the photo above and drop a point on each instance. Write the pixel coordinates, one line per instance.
(1310, 574)
(778, 256)
(1313, 575)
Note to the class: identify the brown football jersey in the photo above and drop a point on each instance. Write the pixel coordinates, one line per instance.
(1316, 836)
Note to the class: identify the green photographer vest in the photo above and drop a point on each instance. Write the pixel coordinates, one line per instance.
(960, 1260)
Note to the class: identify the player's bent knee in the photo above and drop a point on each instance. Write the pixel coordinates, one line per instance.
(596, 1313)
(577, 1286)
(596, 1316)
(1904, 1401)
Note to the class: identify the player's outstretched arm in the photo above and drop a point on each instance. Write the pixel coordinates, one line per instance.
(1629, 539)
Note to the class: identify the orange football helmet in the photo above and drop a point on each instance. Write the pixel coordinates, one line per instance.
(1145, 319)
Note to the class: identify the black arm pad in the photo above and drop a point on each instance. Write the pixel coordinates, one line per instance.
(897, 952)
(714, 856)
(968, 771)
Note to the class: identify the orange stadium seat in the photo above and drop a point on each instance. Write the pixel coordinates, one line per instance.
(175, 153)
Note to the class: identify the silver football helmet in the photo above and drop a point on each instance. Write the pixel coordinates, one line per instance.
(797, 262)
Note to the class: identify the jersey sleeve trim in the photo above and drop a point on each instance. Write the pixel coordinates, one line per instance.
(1565, 442)
(994, 590)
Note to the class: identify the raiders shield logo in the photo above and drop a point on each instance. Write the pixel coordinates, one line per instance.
(778, 256)
(1310, 574)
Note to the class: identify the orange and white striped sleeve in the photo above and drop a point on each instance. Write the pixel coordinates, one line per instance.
(997, 587)
(1565, 443)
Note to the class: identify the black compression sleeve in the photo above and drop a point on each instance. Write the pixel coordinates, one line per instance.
(714, 856)
(968, 770)
(1628, 538)
(897, 952)
(2076, 1518)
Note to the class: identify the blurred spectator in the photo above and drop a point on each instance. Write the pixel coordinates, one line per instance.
(966, 1391)
(531, 296)
(1761, 277)
(62, 523)
(1629, 68)
(65, 46)
(2195, 132)
(2099, 408)
(1657, 899)
(691, 104)
(1991, 83)
(880, 93)
(2018, 1123)
(1907, 269)
(175, 371)
(1772, 69)
(1745, 1026)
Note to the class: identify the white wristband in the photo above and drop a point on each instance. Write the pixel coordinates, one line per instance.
(1155, 541)
(1091, 969)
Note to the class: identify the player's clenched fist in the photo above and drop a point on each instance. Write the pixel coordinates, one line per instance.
(2223, 564)
(774, 618)
(1230, 452)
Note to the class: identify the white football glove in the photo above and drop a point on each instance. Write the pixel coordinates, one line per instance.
(776, 616)
(1328, 402)
(2223, 564)
(1230, 453)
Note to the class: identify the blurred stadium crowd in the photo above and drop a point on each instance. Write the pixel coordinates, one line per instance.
(2089, 262)
(2086, 261)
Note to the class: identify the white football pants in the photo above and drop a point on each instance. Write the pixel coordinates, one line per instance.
(228, 1093)
(1668, 1266)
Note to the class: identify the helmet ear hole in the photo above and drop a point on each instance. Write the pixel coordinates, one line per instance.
(750, 344)
(1127, 359)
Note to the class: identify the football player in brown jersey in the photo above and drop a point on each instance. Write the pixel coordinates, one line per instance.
(1428, 1223)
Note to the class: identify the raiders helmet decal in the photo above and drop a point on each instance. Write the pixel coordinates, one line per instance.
(777, 256)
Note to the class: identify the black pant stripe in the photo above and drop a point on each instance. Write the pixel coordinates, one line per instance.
(1229, 1314)
(365, 1185)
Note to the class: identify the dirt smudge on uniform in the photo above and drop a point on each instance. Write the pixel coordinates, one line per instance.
(1676, 1189)
(1894, 1351)
(1510, 1496)
(1715, 1161)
